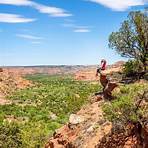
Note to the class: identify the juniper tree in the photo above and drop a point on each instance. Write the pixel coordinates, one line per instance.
(131, 40)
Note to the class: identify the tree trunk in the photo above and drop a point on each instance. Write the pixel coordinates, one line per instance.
(144, 63)
(145, 66)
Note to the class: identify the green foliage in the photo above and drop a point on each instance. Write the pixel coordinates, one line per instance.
(34, 134)
(10, 136)
(33, 107)
(125, 108)
(131, 40)
(132, 67)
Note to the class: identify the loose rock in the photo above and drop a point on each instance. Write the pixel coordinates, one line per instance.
(75, 119)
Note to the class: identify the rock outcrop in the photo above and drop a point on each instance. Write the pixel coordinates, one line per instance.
(83, 130)
(10, 81)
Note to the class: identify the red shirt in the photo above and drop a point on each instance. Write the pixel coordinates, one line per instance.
(103, 65)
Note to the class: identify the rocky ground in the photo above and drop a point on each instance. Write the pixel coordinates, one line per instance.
(87, 128)
(9, 82)
(84, 129)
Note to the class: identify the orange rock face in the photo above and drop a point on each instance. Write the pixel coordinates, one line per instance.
(11, 81)
(84, 134)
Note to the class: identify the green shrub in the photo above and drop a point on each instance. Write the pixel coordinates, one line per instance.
(34, 135)
(130, 105)
(132, 67)
(32, 107)
(10, 136)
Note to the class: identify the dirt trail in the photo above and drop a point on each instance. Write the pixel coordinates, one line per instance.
(95, 126)
(85, 134)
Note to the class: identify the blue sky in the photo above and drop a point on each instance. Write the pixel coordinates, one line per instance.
(57, 32)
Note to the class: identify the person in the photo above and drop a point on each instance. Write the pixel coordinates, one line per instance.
(108, 86)
(103, 77)
(101, 67)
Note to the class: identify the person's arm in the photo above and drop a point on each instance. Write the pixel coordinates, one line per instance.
(98, 71)
(96, 74)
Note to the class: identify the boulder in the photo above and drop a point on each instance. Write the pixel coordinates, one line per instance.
(75, 119)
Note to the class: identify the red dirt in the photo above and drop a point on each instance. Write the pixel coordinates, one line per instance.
(9, 82)
(85, 134)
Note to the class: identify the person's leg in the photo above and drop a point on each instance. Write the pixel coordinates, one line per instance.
(108, 90)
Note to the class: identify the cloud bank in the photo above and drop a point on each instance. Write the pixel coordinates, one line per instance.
(82, 30)
(14, 18)
(52, 11)
(29, 37)
(120, 5)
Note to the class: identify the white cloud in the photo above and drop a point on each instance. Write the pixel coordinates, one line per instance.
(77, 28)
(61, 14)
(29, 37)
(72, 25)
(120, 5)
(36, 42)
(15, 2)
(82, 30)
(14, 18)
(52, 11)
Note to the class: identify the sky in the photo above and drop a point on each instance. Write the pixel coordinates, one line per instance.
(60, 32)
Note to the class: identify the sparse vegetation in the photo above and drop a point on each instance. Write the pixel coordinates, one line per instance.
(131, 41)
(129, 110)
(130, 106)
(131, 68)
(37, 111)
(10, 136)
